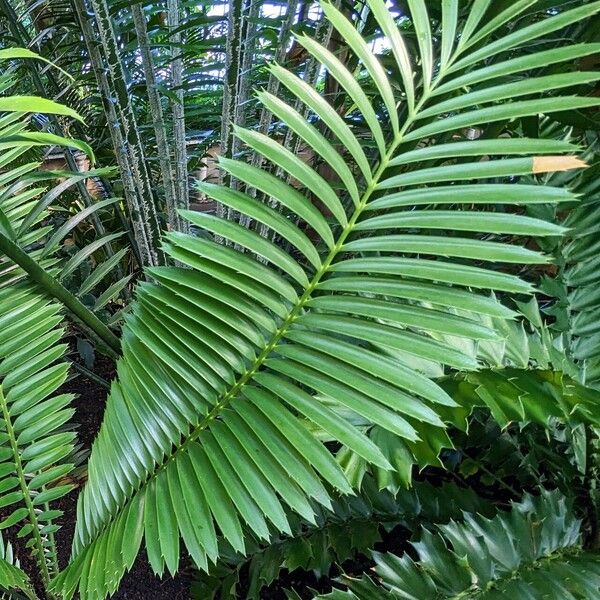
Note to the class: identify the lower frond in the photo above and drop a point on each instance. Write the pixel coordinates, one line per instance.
(534, 551)
(353, 527)
(12, 577)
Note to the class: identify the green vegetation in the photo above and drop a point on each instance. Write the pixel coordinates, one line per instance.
(368, 336)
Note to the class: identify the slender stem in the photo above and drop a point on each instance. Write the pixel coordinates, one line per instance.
(57, 290)
(90, 374)
(128, 122)
(140, 243)
(495, 477)
(158, 122)
(39, 545)
(230, 83)
(52, 538)
(182, 194)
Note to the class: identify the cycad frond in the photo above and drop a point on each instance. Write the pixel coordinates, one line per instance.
(221, 361)
(525, 377)
(511, 395)
(27, 242)
(34, 445)
(580, 275)
(532, 552)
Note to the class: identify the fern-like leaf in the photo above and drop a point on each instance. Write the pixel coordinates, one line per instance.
(12, 577)
(36, 446)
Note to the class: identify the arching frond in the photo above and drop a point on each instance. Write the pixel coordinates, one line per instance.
(36, 445)
(204, 432)
(28, 241)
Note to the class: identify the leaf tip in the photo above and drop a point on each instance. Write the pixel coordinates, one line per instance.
(547, 164)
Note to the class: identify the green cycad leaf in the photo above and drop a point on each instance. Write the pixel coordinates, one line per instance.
(528, 379)
(28, 243)
(580, 273)
(13, 53)
(38, 138)
(229, 366)
(35, 104)
(35, 448)
(532, 552)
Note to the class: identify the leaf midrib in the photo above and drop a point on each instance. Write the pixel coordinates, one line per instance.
(306, 296)
(294, 313)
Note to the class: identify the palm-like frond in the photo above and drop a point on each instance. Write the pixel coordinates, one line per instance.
(524, 378)
(21, 213)
(26, 242)
(221, 361)
(511, 395)
(532, 552)
(577, 306)
(36, 446)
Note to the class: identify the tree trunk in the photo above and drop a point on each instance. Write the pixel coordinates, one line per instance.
(232, 74)
(136, 214)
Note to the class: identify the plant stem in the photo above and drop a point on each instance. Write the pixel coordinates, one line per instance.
(55, 289)
(230, 84)
(127, 121)
(156, 113)
(90, 374)
(140, 243)
(182, 195)
(495, 477)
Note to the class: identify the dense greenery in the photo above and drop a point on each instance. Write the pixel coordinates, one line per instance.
(368, 335)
